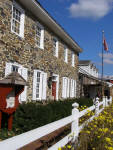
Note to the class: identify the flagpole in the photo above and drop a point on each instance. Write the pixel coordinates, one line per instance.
(102, 62)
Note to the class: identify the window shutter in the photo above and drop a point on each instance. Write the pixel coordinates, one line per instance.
(75, 88)
(57, 49)
(34, 84)
(8, 68)
(42, 38)
(63, 87)
(71, 89)
(23, 96)
(68, 87)
(22, 24)
(66, 55)
(44, 86)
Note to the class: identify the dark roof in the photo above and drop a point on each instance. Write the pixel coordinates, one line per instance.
(13, 78)
(84, 62)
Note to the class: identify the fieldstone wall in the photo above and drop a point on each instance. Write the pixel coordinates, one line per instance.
(24, 51)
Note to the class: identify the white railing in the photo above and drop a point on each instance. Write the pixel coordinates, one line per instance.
(21, 140)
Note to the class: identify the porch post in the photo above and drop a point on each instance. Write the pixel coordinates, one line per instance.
(10, 121)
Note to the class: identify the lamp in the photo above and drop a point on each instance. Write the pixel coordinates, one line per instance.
(50, 79)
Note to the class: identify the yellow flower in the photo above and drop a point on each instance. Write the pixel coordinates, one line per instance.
(69, 146)
(109, 148)
(88, 132)
(108, 140)
(59, 148)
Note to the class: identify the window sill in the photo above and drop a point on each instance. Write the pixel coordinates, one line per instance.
(17, 35)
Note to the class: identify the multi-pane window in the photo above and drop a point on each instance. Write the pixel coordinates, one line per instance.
(55, 47)
(72, 88)
(38, 84)
(73, 58)
(17, 22)
(38, 36)
(65, 54)
(65, 87)
(14, 68)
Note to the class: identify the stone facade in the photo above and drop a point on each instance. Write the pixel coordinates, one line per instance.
(24, 51)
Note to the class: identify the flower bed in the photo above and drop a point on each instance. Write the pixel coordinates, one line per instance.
(98, 135)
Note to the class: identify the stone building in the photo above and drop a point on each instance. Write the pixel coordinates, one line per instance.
(33, 44)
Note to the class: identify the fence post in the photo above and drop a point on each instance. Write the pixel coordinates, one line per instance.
(107, 103)
(97, 106)
(104, 101)
(110, 99)
(75, 122)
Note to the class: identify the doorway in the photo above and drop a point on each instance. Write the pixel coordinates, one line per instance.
(55, 85)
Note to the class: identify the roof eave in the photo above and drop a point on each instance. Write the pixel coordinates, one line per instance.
(40, 13)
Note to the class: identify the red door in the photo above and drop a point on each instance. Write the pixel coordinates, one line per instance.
(54, 89)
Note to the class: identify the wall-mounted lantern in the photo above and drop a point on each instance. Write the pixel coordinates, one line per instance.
(50, 79)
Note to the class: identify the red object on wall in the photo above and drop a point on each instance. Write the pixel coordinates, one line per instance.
(10, 89)
(54, 89)
(4, 91)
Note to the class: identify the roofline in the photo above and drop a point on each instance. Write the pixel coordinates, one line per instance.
(58, 29)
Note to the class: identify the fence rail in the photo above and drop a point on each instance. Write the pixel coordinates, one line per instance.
(21, 140)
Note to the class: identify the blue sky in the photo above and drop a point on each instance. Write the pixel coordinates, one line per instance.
(84, 20)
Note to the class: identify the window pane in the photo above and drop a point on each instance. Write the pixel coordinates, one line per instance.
(38, 85)
(16, 20)
(54, 46)
(38, 35)
(14, 68)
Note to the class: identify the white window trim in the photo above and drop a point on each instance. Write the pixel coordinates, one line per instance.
(65, 94)
(40, 98)
(42, 35)
(57, 46)
(73, 59)
(66, 54)
(21, 31)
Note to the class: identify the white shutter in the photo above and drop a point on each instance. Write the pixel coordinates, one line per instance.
(66, 55)
(44, 84)
(68, 87)
(75, 88)
(42, 38)
(34, 84)
(8, 68)
(22, 24)
(66, 82)
(23, 96)
(71, 88)
(41, 86)
(57, 48)
(63, 86)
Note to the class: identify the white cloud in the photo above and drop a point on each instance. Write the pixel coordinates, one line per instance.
(108, 58)
(94, 9)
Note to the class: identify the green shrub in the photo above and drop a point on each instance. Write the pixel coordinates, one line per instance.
(33, 115)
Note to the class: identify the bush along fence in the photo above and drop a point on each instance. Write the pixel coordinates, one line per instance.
(21, 140)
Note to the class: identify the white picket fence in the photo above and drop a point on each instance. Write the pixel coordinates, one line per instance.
(21, 140)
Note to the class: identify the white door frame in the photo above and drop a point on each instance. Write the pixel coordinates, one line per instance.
(57, 84)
